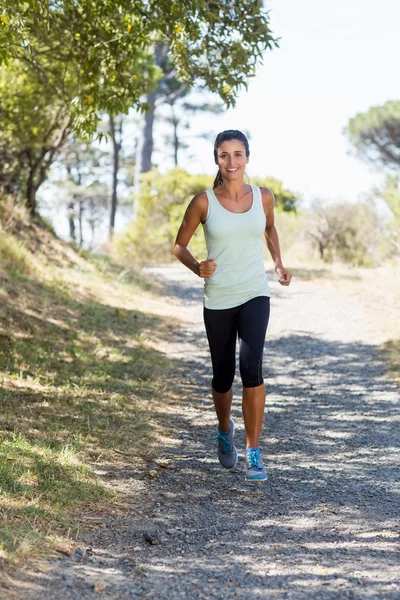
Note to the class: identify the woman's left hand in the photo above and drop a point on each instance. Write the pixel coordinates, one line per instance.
(285, 276)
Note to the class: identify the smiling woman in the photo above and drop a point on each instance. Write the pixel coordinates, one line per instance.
(235, 216)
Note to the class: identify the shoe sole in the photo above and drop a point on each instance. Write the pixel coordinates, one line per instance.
(255, 480)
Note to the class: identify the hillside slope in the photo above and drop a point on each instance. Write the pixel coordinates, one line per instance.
(78, 370)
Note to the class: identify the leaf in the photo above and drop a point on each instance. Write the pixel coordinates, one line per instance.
(5, 20)
(153, 474)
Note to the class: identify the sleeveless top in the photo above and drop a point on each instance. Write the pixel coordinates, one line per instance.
(235, 242)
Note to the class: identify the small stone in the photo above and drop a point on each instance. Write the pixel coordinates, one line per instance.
(137, 549)
(171, 531)
(150, 538)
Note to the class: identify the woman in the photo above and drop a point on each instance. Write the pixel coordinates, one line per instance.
(235, 216)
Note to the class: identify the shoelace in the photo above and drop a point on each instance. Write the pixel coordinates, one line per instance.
(253, 455)
(223, 436)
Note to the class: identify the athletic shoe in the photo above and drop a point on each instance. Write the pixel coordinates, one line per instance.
(227, 453)
(255, 470)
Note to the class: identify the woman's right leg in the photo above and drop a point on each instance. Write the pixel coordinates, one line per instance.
(221, 333)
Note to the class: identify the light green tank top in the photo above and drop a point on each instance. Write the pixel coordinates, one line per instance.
(235, 242)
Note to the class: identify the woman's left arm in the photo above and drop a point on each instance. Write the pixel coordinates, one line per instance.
(271, 236)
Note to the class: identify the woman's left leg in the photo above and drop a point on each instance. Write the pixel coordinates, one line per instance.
(252, 326)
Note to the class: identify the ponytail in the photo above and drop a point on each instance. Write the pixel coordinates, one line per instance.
(218, 180)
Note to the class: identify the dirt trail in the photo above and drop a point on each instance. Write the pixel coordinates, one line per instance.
(325, 525)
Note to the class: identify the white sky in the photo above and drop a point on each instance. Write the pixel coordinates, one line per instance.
(335, 59)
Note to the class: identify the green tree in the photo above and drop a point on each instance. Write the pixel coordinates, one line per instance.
(375, 135)
(390, 193)
(106, 47)
(34, 126)
(179, 111)
(163, 201)
(285, 199)
(81, 187)
(348, 232)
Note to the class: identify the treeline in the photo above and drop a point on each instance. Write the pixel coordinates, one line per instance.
(71, 70)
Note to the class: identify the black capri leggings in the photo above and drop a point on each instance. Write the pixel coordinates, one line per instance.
(248, 321)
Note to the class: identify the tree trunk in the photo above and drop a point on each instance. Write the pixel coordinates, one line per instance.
(31, 194)
(116, 150)
(71, 221)
(80, 221)
(144, 148)
(175, 123)
(39, 166)
(145, 144)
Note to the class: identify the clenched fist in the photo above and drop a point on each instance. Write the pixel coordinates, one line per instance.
(207, 268)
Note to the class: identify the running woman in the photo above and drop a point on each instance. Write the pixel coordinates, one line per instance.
(235, 216)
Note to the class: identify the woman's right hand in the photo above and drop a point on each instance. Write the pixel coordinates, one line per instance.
(207, 268)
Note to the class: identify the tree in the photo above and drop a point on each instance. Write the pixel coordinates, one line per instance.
(35, 125)
(285, 199)
(390, 193)
(116, 124)
(95, 56)
(375, 135)
(106, 48)
(179, 111)
(349, 232)
(80, 167)
(163, 201)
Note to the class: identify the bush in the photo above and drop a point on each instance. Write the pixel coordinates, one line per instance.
(162, 204)
(351, 233)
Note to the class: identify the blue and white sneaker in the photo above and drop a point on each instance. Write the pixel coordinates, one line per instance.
(227, 453)
(255, 470)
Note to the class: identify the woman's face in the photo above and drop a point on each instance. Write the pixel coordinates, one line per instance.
(232, 160)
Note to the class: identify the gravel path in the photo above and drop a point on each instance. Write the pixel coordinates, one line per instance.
(325, 525)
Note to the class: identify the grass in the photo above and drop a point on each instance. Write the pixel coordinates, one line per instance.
(79, 368)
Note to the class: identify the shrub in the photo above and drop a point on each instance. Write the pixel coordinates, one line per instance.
(162, 204)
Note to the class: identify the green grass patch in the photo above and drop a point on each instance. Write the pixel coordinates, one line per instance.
(79, 371)
(14, 256)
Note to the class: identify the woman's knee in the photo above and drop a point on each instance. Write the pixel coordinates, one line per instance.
(251, 373)
(222, 383)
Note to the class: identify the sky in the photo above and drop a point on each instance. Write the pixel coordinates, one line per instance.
(335, 59)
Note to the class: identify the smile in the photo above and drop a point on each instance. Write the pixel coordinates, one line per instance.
(233, 170)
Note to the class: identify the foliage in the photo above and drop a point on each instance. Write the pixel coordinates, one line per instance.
(81, 185)
(348, 232)
(34, 126)
(105, 47)
(293, 240)
(163, 201)
(285, 200)
(375, 135)
(390, 193)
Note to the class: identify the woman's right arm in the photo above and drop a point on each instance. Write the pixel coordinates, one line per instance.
(195, 214)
